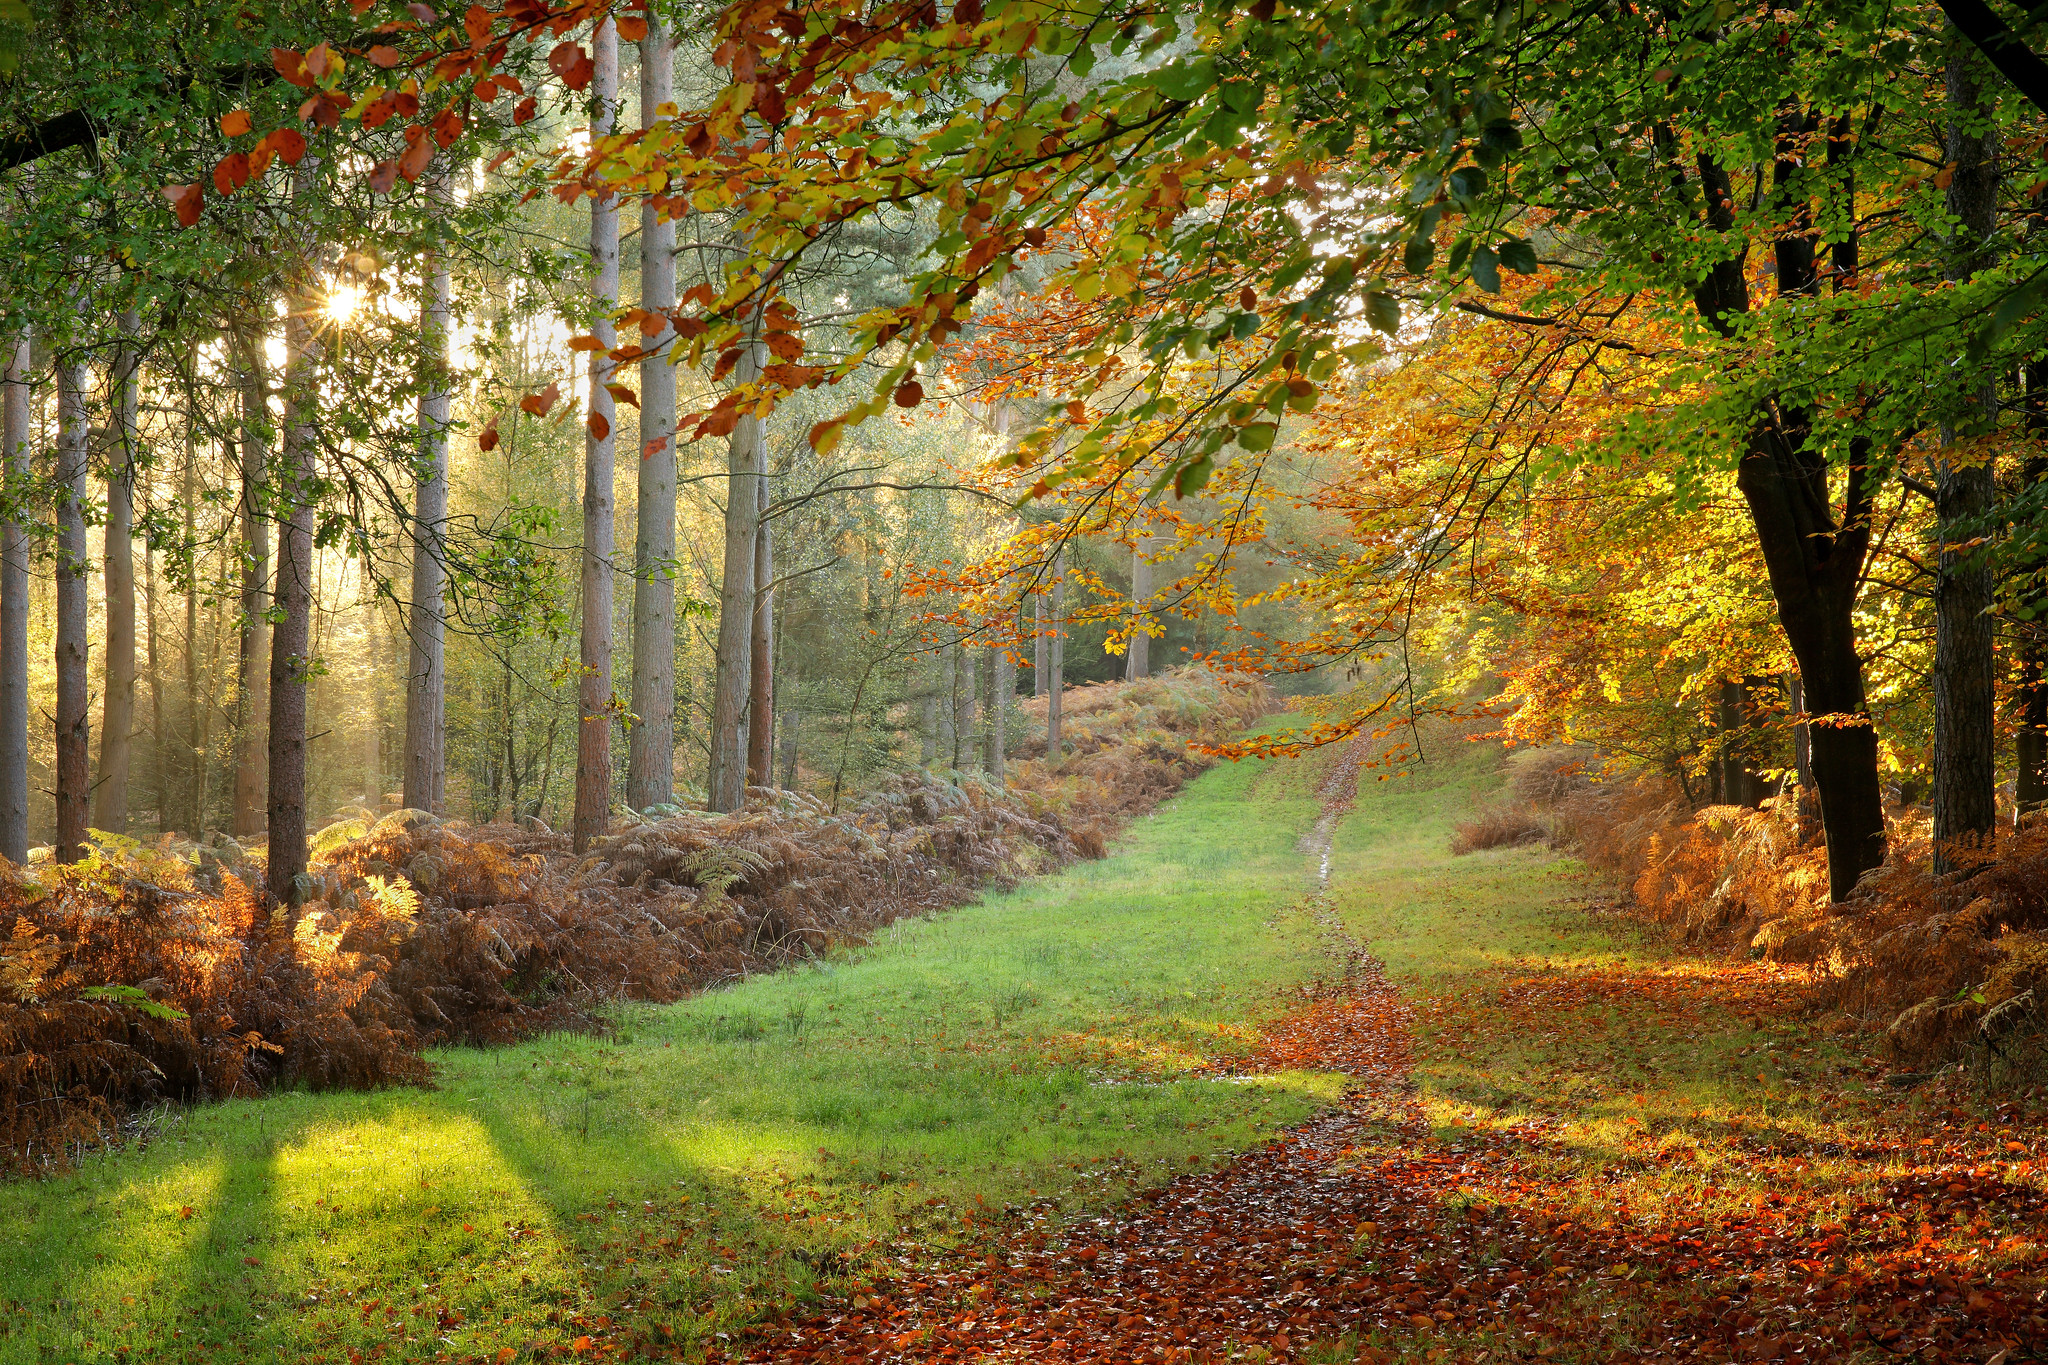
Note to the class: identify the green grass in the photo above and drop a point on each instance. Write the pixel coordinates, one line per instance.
(714, 1159)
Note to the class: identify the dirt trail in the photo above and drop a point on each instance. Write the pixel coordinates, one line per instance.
(1365, 1235)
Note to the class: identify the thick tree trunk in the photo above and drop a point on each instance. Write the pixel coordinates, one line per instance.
(426, 672)
(1056, 662)
(594, 691)
(117, 714)
(943, 703)
(1002, 687)
(1138, 654)
(761, 666)
(746, 450)
(1802, 755)
(14, 607)
(74, 772)
(2030, 740)
(1965, 743)
(1741, 783)
(252, 665)
(651, 745)
(290, 661)
(1815, 562)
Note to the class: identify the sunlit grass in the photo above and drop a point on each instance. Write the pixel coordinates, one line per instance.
(712, 1160)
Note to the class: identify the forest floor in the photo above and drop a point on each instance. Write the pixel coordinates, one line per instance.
(1281, 1080)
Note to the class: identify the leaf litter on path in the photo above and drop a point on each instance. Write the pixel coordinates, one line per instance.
(1375, 1233)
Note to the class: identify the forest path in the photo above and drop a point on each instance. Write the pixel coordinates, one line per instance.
(1474, 1196)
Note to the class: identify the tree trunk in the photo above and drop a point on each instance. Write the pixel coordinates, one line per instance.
(2030, 741)
(965, 690)
(74, 773)
(290, 661)
(594, 691)
(792, 719)
(731, 692)
(1039, 646)
(1056, 662)
(117, 715)
(426, 672)
(1965, 743)
(252, 667)
(651, 745)
(14, 607)
(1002, 688)
(1138, 653)
(943, 705)
(1802, 755)
(1815, 562)
(761, 666)
(1740, 782)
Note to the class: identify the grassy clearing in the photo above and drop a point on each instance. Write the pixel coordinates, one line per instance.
(715, 1158)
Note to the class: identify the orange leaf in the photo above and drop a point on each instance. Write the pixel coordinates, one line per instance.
(235, 123)
(289, 143)
(291, 65)
(585, 344)
(580, 1345)
(623, 394)
(477, 24)
(486, 90)
(539, 403)
(186, 202)
(385, 56)
(909, 394)
(523, 111)
(632, 28)
(505, 1353)
(319, 60)
(383, 176)
(600, 426)
(415, 158)
(654, 447)
(486, 440)
(501, 158)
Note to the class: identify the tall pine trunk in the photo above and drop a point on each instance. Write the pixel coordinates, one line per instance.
(651, 746)
(290, 645)
(252, 666)
(117, 713)
(14, 606)
(73, 720)
(761, 664)
(594, 690)
(426, 673)
(2030, 740)
(1965, 744)
(731, 693)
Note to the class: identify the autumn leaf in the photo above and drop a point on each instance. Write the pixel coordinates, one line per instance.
(476, 22)
(415, 158)
(539, 404)
(585, 343)
(187, 201)
(632, 28)
(231, 173)
(623, 394)
(291, 65)
(487, 439)
(235, 123)
(385, 56)
(909, 394)
(600, 426)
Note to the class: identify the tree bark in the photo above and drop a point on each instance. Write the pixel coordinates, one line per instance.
(290, 661)
(252, 667)
(2030, 741)
(651, 745)
(792, 720)
(1039, 644)
(14, 607)
(761, 666)
(964, 696)
(731, 691)
(74, 773)
(1741, 783)
(594, 691)
(1138, 653)
(117, 714)
(1002, 687)
(1802, 755)
(1965, 743)
(1815, 563)
(426, 672)
(1056, 662)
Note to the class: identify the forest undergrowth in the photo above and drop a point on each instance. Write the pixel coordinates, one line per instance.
(138, 977)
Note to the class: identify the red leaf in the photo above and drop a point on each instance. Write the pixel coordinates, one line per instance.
(500, 159)
(424, 13)
(477, 24)
(486, 440)
(511, 83)
(384, 56)
(523, 112)
(319, 60)
(909, 394)
(384, 175)
(447, 126)
(186, 202)
(539, 403)
(289, 144)
(967, 12)
(379, 111)
(486, 90)
(231, 173)
(599, 429)
(768, 102)
(654, 447)
(623, 394)
(291, 65)
(564, 58)
(235, 123)
(414, 159)
(631, 28)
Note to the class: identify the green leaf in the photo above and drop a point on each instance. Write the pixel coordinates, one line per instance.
(1418, 255)
(1258, 435)
(1486, 270)
(134, 998)
(1383, 311)
(1186, 81)
(1467, 183)
(1517, 255)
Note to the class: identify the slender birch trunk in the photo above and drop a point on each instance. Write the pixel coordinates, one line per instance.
(117, 702)
(14, 607)
(761, 667)
(651, 745)
(252, 668)
(594, 691)
(731, 692)
(290, 660)
(426, 674)
(73, 718)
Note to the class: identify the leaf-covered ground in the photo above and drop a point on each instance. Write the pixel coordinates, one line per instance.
(1557, 1142)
